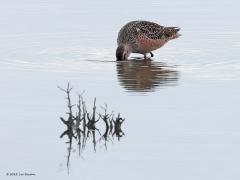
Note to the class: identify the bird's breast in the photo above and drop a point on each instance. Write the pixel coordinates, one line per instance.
(146, 45)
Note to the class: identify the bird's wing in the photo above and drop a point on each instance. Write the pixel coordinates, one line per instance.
(155, 31)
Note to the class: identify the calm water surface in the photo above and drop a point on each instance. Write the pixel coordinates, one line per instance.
(181, 108)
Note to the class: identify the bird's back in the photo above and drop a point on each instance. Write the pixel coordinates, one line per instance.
(145, 36)
(128, 33)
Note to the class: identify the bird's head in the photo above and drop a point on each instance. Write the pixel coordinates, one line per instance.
(122, 52)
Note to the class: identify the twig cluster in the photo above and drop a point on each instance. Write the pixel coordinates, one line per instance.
(81, 123)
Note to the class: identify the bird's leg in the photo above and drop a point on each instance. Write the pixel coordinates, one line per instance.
(151, 54)
(145, 56)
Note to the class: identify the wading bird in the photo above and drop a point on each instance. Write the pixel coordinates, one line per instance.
(143, 37)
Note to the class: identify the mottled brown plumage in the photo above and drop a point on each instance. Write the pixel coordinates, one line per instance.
(143, 37)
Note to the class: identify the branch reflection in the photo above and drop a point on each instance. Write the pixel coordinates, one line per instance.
(81, 127)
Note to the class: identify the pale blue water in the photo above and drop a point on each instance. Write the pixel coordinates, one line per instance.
(181, 108)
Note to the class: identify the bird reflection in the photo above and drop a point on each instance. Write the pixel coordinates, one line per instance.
(81, 126)
(145, 75)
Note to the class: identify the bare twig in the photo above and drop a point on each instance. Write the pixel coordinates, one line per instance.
(84, 123)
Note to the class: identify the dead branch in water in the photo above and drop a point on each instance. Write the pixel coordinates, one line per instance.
(118, 127)
(82, 123)
(68, 91)
(91, 125)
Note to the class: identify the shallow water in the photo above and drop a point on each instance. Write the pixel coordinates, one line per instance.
(181, 108)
